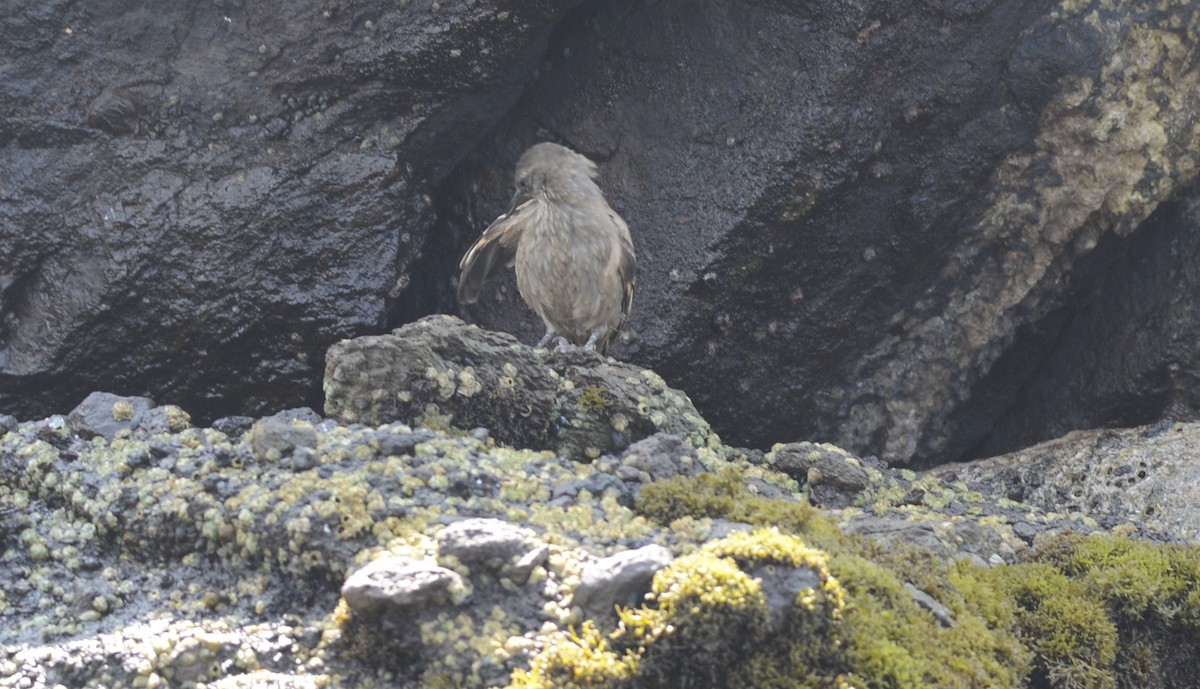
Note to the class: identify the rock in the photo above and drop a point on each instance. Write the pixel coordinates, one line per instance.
(782, 585)
(8, 424)
(890, 530)
(187, 528)
(804, 316)
(620, 579)
(105, 414)
(662, 456)
(399, 582)
(520, 570)
(184, 650)
(302, 414)
(276, 436)
(1135, 476)
(150, 272)
(233, 426)
(392, 443)
(834, 476)
(473, 541)
(940, 612)
(1137, 331)
(442, 372)
(167, 418)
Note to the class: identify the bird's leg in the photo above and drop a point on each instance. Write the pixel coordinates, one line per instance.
(590, 345)
(550, 333)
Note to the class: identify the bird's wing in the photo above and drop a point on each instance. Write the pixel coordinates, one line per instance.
(495, 250)
(626, 265)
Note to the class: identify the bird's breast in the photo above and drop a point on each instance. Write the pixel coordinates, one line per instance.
(562, 267)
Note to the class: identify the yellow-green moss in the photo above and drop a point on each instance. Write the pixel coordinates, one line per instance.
(1085, 614)
(893, 642)
(708, 623)
(1073, 641)
(595, 399)
(723, 494)
(577, 661)
(883, 638)
(1142, 582)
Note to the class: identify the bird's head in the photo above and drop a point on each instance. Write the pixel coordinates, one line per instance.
(554, 172)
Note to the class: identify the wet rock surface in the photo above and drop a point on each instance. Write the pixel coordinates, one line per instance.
(1135, 330)
(842, 247)
(835, 245)
(230, 186)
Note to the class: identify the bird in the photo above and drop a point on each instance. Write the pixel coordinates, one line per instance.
(573, 253)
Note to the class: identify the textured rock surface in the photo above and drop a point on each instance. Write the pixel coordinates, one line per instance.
(1124, 351)
(180, 556)
(399, 582)
(833, 475)
(228, 185)
(442, 372)
(474, 541)
(834, 244)
(1147, 476)
(103, 413)
(838, 245)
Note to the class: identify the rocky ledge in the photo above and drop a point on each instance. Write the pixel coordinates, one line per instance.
(474, 513)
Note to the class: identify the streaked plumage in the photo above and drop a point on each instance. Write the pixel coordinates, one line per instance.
(573, 254)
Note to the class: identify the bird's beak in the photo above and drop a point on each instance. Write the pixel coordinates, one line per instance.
(519, 197)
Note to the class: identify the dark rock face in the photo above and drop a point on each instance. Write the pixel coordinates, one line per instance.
(836, 243)
(1124, 351)
(231, 186)
(845, 215)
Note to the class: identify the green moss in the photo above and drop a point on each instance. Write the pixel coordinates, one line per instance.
(1104, 611)
(595, 399)
(723, 494)
(122, 410)
(893, 642)
(709, 624)
(1072, 639)
(1086, 612)
(1141, 582)
(882, 638)
(577, 661)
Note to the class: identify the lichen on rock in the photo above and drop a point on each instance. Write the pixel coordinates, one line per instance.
(388, 554)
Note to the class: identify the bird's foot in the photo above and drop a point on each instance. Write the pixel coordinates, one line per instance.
(564, 346)
(590, 345)
(546, 339)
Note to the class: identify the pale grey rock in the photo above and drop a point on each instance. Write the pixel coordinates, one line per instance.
(485, 540)
(399, 582)
(620, 579)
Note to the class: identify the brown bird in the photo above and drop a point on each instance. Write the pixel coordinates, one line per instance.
(573, 253)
